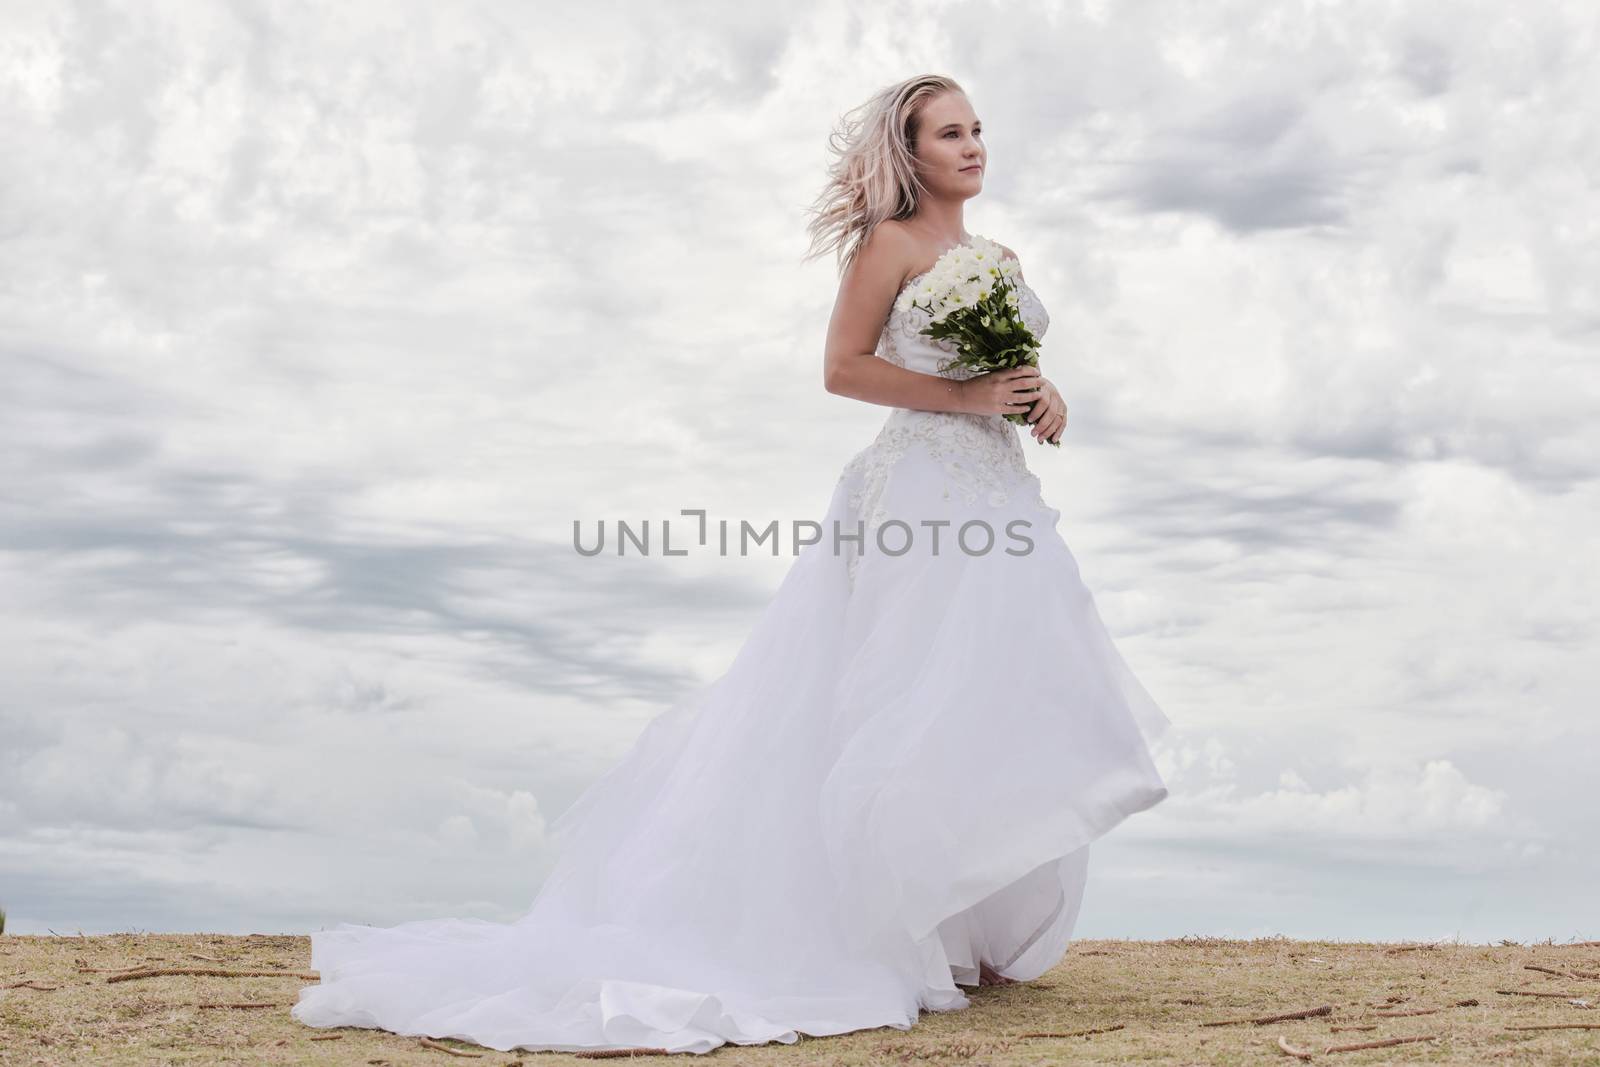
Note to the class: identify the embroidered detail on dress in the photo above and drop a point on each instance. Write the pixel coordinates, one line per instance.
(980, 454)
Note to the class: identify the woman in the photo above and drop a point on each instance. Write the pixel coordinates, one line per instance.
(892, 790)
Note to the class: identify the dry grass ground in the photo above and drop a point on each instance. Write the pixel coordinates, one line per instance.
(71, 1000)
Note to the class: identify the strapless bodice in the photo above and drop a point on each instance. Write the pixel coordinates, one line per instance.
(903, 344)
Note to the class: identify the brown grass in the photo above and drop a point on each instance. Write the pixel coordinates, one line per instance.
(212, 999)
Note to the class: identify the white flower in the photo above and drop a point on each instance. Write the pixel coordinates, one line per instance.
(962, 276)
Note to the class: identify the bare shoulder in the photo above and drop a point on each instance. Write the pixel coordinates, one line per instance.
(890, 252)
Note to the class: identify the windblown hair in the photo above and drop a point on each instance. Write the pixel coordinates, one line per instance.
(875, 175)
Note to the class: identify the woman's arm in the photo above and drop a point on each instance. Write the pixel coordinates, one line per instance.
(850, 367)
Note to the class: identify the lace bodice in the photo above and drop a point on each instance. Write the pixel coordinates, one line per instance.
(981, 457)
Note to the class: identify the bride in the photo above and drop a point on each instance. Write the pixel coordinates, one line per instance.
(892, 790)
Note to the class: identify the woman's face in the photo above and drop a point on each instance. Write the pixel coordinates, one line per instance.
(950, 151)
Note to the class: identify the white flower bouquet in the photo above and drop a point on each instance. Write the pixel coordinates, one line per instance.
(971, 296)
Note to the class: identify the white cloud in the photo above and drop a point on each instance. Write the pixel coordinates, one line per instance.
(1388, 803)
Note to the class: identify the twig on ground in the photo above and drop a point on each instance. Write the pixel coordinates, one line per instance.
(242, 1004)
(216, 972)
(1561, 974)
(429, 1042)
(1072, 1033)
(1299, 1053)
(1536, 993)
(1308, 1013)
(1385, 1043)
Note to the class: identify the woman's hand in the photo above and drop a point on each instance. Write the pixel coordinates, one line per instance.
(1048, 414)
(1001, 392)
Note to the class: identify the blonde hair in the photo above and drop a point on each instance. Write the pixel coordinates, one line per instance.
(875, 175)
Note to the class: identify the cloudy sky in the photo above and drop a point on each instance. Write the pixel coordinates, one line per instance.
(320, 326)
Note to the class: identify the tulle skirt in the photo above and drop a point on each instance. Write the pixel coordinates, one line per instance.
(897, 779)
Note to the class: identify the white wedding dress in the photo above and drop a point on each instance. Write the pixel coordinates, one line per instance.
(897, 778)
